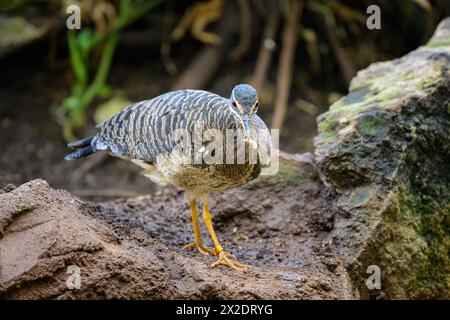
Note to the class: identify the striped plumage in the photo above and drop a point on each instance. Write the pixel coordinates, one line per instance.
(145, 133)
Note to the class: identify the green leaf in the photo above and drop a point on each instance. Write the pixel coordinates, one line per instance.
(85, 39)
(104, 91)
(71, 103)
(76, 59)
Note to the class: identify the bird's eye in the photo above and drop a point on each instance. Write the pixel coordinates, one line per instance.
(256, 107)
(234, 104)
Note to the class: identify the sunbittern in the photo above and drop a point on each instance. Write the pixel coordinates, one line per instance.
(148, 134)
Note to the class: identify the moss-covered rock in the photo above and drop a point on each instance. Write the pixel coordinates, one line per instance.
(385, 149)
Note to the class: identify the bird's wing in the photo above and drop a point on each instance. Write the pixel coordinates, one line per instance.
(261, 134)
(147, 129)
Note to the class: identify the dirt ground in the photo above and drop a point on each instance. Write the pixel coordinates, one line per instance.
(132, 248)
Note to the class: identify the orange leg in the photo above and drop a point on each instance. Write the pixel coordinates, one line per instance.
(224, 257)
(198, 243)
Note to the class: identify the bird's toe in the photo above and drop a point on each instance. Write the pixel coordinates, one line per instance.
(200, 247)
(225, 258)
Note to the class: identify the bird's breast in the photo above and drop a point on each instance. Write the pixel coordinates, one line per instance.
(201, 179)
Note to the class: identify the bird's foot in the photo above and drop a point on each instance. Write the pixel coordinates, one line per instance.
(225, 258)
(200, 247)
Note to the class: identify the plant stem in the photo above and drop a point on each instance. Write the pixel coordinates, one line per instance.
(100, 78)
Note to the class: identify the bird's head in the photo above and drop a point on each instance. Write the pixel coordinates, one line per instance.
(244, 100)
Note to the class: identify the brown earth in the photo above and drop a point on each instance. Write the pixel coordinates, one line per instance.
(132, 248)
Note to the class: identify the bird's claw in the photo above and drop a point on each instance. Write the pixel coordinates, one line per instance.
(200, 247)
(225, 258)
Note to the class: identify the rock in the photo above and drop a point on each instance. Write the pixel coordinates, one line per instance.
(385, 148)
(45, 231)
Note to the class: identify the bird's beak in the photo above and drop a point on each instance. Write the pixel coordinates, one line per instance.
(247, 121)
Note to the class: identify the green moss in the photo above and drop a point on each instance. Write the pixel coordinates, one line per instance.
(377, 98)
(430, 82)
(408, 76)
(371, 126)
(409, 216)
(290, 173)
(393, 248)
(345, 171)
(328, 124)
(438, 43)
(430, 272)
(412, 248)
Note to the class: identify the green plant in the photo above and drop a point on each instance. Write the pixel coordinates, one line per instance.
(81, 46)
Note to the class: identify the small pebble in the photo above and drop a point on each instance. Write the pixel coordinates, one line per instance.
(267, 204)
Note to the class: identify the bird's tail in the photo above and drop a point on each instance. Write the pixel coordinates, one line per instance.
(85, 149)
